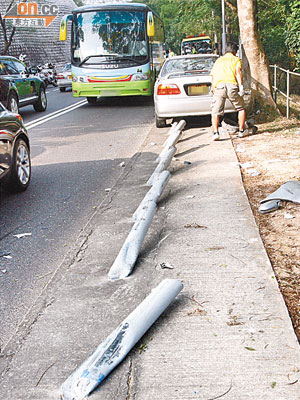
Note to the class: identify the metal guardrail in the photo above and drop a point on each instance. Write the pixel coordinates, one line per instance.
(277, 90)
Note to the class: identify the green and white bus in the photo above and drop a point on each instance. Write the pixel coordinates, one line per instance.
(116, 49)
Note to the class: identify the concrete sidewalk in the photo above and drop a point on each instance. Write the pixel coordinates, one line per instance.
(228, 333)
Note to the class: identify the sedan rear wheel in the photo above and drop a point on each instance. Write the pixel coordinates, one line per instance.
(12, 103)
(62, 89)
(20, 173)
(160, 122)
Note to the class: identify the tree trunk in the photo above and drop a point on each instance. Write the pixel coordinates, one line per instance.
(6, 37)
(259, 66)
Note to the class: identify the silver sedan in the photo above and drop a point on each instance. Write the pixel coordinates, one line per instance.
(183, 88)
(64, 78)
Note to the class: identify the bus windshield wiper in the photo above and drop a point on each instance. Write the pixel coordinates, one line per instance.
(97, 55)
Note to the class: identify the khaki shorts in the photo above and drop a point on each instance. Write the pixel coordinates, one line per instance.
(225, 91)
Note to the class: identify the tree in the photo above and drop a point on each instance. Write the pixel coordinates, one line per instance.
(187, 17)
(259, 66)
(293, 29)
(271, 19)
(7, 29)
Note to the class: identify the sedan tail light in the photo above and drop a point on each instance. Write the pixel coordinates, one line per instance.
(168, 89)
(60, 76)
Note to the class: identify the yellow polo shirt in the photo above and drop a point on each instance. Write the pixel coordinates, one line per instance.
(224, 69)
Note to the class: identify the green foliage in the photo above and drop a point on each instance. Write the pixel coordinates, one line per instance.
(272, 28)
(190, 17)
(187, 17)
(293, 30)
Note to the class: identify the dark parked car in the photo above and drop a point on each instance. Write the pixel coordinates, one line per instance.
(18, 88)
(15, 165)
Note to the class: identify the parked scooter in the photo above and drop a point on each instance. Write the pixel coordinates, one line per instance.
(50, 73)
(38, 71)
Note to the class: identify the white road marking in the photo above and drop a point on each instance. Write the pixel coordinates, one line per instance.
(55, 114)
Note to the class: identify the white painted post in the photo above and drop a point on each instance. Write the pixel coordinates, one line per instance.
(173, 138)
(275, 83)
(288, 94)
(153, 194)
(118, 344)
(129, 252)
(163, 165)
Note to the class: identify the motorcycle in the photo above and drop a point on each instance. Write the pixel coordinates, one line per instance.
(38, 71)
(49, 72)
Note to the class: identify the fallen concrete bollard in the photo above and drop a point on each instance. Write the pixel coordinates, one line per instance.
(166, 149)
(163, 165)
(269, 206)
(172, 139)
(118, 344)
(153, 194)
(129, 252)
(174, 135)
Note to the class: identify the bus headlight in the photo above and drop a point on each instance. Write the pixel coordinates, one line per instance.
(140, 77)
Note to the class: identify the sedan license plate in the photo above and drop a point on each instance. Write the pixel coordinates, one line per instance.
(198, 90)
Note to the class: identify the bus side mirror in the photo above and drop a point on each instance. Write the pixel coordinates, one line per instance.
(63, 27)
(150, 24)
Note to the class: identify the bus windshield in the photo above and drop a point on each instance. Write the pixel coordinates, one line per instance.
(102, 36)
(196, 46)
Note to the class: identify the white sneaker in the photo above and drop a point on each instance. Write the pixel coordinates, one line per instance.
(241, 134)
(216, 136)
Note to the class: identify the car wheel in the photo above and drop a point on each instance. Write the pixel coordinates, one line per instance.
(160, 122)
(92, 100)
(41, 104)
(20, 174)
(13, 104)
(62, 89)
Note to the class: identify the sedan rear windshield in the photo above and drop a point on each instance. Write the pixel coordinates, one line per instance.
(200, 64)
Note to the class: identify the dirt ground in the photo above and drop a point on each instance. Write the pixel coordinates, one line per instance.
(274, 152)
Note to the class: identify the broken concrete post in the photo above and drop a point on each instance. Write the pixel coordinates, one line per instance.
(153, 194)
(129, 252)
(289, 191)
(118, 344)
(165, 150)
(163, 165)
(269, 206)
(174, 135)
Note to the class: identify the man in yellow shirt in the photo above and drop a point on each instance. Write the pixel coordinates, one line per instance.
(227, 83)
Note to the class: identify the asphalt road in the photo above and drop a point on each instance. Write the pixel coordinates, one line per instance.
(76, 155)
